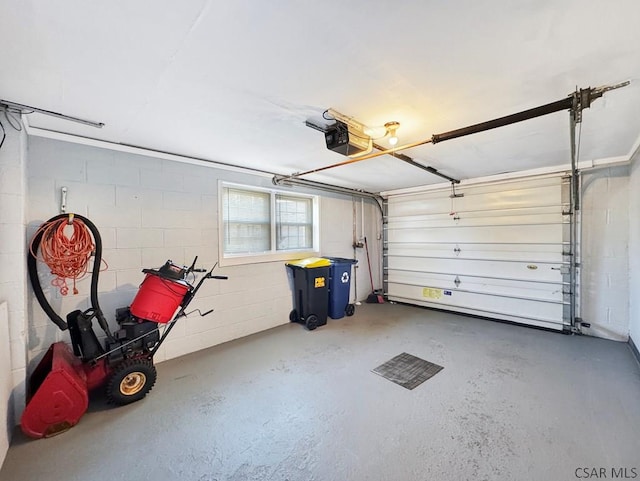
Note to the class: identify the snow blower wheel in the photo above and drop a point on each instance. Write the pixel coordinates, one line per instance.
(131, 381)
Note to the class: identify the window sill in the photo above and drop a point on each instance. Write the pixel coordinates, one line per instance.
(242, 259)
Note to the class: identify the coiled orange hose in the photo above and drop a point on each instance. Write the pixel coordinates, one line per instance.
(66, 247)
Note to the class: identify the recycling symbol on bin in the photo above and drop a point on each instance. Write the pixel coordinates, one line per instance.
(345, 277)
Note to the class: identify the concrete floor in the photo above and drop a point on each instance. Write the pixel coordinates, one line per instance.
(287, 404)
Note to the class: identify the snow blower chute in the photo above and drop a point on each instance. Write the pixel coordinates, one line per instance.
(58, 389)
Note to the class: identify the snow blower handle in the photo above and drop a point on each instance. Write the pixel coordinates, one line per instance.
(192, 267)
(211, 276)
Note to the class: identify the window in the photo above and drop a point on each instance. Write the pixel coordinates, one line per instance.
(294, 222)
(247, 221)
(262, 225)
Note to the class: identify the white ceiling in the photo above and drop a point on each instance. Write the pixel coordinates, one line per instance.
(234, 81)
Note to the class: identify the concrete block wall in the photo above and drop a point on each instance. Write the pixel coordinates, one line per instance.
(149, 210)
(605, 252)
(12, 278)
(634, 250)
(6, 381)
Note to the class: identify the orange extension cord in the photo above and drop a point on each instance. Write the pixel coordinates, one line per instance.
(67, 256)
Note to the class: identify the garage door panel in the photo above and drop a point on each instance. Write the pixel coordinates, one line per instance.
(482, 199)
(548, 323)
(533, 252)
(523, 289)
(546, 311)
(497, 251)
(511, 199)
(489, 268)
(433, 204)
(466, 219)
(506, 187)
(474, 214)
(505, 234)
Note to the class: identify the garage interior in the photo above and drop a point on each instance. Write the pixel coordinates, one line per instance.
(479, 161)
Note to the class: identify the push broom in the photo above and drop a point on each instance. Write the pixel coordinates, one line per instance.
(373, 298)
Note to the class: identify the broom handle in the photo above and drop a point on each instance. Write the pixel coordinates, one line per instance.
(366, 248)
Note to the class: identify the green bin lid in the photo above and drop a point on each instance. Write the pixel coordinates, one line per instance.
(310, 262)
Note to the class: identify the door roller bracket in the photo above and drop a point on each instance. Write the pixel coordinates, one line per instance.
(454, 194)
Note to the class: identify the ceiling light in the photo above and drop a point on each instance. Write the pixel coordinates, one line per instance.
(391, 130)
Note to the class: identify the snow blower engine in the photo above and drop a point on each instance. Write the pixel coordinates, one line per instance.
(58, 389)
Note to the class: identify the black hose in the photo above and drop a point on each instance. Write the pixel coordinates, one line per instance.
(32, 267)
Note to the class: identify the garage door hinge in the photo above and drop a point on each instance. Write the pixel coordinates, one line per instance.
(457, 281)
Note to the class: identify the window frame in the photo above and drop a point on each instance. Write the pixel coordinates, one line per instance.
(273, 255)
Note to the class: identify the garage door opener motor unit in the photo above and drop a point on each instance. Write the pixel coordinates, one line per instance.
(58, 389)
(343, 139)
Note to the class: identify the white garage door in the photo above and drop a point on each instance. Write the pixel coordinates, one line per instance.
(500, 251)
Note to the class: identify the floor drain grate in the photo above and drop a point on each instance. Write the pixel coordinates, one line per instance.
(408, 371)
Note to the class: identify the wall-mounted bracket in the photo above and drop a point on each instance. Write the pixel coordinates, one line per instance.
(454, 194)
(63, 200)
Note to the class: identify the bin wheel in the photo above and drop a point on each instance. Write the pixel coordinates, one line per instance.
(293, 316)
(131, 381)
(311, 322)
(350, 310)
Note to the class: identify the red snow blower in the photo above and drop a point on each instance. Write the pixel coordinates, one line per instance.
(58, 390)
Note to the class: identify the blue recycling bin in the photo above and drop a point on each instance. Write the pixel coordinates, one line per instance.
(340, 287)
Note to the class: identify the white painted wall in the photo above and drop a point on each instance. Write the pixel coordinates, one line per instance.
(12, 279)
(6, 381)
(634, 250)
(341, 218)
(149, 210)
(605, 252)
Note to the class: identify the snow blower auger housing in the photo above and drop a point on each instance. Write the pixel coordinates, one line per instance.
(58, 389)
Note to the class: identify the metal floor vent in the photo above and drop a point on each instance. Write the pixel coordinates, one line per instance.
(408, 371)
